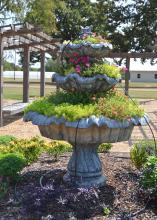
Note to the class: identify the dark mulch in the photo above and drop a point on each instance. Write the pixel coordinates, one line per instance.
(58, 201)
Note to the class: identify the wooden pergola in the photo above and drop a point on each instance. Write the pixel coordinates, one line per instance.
(26, 38)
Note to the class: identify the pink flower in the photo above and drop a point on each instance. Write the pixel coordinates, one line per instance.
(75, 54)
(71, 60)
(85, 59)
(87, 64)
(124, 69)
(78, 69)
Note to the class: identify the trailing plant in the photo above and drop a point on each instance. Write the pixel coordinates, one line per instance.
(74, 106)
(10, 165)
(141, 151)
(5, 139)
(149, 176)
(56, 148)
(105, 147)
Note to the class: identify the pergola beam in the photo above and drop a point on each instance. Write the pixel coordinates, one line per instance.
(1, 82)
(127, 76)
(143, 55)
(42, 74)
(26, 74)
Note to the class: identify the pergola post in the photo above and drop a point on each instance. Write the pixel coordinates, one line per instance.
(26, 74)
(127, 76)
(42, 74)
(1, 82)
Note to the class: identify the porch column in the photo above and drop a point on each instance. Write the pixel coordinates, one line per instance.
(42, 74)
(26, 74)
(1, 81)
(127, 76)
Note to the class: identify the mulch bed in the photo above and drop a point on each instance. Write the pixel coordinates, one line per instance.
(58, 201)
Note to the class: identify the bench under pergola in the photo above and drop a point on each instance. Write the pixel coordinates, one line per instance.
(26, 38)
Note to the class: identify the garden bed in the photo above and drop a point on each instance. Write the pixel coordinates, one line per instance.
(117, 200)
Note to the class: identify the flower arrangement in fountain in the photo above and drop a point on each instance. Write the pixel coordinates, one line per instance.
(89, 111)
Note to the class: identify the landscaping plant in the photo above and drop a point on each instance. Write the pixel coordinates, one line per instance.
(29, 148)
(56, 148)
(10, 166)
(104, 148)
(141, 151)
(5, 139)
(74, 106)
(149, 176)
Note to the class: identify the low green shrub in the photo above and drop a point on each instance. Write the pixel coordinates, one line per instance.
(149, 176)
(10, 165)
(104, 148)
(29, 148)
(141, 151)
(5, 139)
(56, 148)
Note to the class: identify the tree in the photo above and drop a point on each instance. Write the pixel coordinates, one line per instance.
(41, 13)
(130, 25)
(12, 6)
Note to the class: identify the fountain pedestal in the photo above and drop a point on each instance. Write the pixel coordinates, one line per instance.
(84, 167)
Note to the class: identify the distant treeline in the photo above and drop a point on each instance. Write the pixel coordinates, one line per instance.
(12, 67)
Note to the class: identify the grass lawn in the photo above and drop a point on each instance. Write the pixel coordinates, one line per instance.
(139, 85)
(15, 92)
(131, 84)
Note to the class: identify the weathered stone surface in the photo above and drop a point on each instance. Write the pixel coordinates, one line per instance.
(85, 167)
(85, 135)
(75, 82)
(86, 48)
(92, 135)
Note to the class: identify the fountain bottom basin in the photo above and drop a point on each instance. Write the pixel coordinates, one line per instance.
(84, 167)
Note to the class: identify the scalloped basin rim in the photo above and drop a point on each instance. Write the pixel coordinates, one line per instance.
(39, 119)
(87, 44)
(84, 79)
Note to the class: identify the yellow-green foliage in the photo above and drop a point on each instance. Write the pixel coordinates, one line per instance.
(74, 106)
(104, 148)
(56, 148)
(108, 70)
(32, 148)
(29, 148)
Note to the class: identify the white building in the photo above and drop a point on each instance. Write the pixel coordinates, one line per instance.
(142, 72)
(143, 76)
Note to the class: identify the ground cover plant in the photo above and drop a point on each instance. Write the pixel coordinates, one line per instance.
(74, 106)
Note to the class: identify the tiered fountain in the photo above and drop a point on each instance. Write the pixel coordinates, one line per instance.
(102, 125)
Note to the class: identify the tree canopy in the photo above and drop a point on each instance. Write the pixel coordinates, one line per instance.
(129, 26)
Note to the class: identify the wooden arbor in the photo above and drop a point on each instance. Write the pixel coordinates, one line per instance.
(27, 38)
